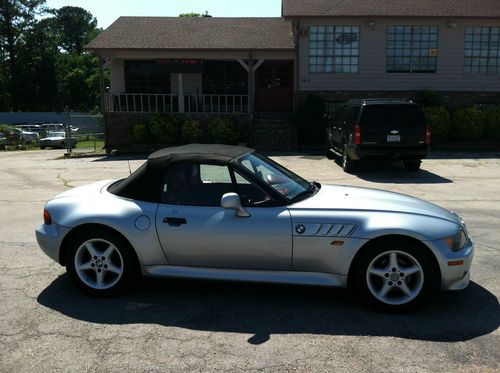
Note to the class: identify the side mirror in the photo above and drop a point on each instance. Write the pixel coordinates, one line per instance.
(232, 201)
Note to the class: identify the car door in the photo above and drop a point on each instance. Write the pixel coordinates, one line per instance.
(194, 230)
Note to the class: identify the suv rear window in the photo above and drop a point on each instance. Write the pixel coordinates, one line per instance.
(375, 115)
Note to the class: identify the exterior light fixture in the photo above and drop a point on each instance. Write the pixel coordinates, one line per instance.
(371, 25)
(451, 25)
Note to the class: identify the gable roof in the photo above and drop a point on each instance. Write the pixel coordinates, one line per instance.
(203, 33)
(392, 8)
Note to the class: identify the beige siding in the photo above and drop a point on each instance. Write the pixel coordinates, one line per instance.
(372, 61)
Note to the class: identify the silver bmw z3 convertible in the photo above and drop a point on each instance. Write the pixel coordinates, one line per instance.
(228, 213)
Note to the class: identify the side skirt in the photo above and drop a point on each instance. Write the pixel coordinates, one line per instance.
(279, 277)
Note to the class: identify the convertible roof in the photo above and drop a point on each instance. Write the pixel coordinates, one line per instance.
(145, 183)
(200, 152)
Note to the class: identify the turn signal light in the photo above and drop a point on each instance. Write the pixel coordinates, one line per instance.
(357, 135)
(47, 219)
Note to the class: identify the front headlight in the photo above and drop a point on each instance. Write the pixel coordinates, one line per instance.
(457, 241)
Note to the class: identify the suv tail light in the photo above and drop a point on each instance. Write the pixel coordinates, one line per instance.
(428, 134)
(47, 219)
(357, 134)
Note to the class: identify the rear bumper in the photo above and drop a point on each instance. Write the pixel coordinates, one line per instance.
(49, 238)
(358, 152)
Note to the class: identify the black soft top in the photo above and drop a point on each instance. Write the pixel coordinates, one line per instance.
(145, 183)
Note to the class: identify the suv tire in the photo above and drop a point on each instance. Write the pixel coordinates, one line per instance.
(412, 166)
(348, 165)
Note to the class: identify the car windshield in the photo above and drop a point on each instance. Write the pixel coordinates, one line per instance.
(284, 181)
(56, 134)
(376, 115)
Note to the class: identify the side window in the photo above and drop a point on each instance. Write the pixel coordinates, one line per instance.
(250, 194)
(195, 184)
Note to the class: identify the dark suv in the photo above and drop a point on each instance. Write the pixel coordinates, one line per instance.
(378, 129)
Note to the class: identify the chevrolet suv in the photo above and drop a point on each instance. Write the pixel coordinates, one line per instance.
(378, 129)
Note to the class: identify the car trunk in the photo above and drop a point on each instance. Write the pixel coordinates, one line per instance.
(397, 125)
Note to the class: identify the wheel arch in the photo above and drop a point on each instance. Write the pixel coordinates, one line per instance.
(89, 226)
(393, 237)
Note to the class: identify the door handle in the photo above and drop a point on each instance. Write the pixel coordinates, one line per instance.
(175, 221)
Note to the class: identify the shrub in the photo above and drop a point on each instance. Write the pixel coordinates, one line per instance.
(165, 130)
(223, 131)
(310, 120)
(191, 131)
(439, 119)
(467, 124)
(428, 98)
(140, 133)
(492, 123)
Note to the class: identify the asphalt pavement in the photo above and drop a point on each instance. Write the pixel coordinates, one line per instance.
(177, 325)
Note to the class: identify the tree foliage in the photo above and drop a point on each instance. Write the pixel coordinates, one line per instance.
(43, 66)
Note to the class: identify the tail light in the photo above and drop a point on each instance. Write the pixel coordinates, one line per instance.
(357, 134)
(428, 134)
(47, 219)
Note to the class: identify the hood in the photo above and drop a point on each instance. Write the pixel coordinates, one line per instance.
(365, 199)
(86, 190)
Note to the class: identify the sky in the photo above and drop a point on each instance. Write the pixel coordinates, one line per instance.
(107, 11)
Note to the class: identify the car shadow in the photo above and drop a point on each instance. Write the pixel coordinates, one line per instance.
(395, 173)
(263, 310)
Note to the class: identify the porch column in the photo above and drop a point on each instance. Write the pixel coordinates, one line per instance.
(181, 94)
(251, 85)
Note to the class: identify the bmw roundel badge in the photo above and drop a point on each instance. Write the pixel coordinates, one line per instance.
(300, 229)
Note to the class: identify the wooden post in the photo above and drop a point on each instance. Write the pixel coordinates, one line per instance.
(251, 86)
(102, 91)
(181, 94)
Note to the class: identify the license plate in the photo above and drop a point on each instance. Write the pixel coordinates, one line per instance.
(393, 138)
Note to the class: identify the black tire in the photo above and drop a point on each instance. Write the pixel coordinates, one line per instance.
(412, 166)
(425, 281)
(348, 165)
(42, 147)
(125, 257)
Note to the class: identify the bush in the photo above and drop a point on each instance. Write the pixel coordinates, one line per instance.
(165, 130)
(310, 120)
(428, 98)
(468, 124)
(191, 131)
(439, 119)
(223, 131)
(140, 133)
(492, 123)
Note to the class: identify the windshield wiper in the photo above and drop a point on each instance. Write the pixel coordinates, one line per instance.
(313, 188)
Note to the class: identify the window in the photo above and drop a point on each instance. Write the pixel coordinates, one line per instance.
(147, 77)
(412, 49)
(482, 50)
(195, 184)
(224, 77)
(333, 49)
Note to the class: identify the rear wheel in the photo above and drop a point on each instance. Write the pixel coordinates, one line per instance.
(328, 151)
(412, 166)
(100, 262)
(395, 276)
(348, 165)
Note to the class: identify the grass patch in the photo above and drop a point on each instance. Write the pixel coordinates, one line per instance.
(99, 144)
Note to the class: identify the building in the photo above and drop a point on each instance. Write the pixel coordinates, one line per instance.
(337, 49)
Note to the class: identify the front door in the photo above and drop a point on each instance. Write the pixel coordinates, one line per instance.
(274, 87)
(195, 231)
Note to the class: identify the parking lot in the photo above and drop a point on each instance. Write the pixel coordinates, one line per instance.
(47, 325)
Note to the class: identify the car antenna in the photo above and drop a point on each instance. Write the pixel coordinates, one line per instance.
(129, 169)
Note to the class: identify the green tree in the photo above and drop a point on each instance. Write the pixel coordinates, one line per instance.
(192, 14)
(75, 26)
(16, 18)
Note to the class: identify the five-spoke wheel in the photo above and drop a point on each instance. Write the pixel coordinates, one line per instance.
(395, 274)
(100, 262)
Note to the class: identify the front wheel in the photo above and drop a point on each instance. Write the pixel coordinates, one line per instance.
(100, 262)
(395, 276)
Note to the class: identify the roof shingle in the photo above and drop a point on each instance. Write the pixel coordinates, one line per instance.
(204, 33)
(392, 8)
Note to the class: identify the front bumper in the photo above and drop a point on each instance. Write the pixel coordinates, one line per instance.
(49, 238)
(454, 265)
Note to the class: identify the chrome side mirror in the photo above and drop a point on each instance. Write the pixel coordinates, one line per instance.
(232, 201)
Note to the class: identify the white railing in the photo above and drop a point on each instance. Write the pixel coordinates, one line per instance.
(173, 103)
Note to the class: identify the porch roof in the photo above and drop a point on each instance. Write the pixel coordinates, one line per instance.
(191, 33)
